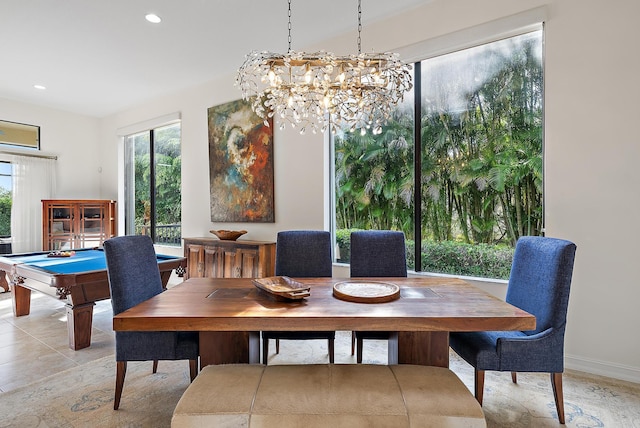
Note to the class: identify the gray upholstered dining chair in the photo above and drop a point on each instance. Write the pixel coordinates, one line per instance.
(376, 253)
(539, 284)
(301, 254)
(134, 277)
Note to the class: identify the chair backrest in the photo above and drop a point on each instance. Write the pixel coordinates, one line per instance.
(133, 271)
(378, 253)
(541, 278)
(304, 253)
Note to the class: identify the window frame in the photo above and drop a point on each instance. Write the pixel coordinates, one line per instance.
(129, 172)
(16, 135)
(512, 26)
(9, 175)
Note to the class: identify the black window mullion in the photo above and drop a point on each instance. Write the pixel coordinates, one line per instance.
(152, 184)
(417, 167)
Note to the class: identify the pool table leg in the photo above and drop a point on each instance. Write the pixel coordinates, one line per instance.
(3, 281)
(165, 275)
(79, 325)
(21, 299)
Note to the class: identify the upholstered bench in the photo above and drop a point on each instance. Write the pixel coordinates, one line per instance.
(334, 395)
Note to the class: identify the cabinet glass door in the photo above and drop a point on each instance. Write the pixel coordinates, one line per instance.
(61, 230)
(91, 225)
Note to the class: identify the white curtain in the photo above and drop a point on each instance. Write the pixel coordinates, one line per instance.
(34, 179)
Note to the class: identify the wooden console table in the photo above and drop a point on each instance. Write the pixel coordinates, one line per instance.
(215, 258)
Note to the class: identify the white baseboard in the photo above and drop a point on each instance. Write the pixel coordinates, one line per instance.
(602, 368)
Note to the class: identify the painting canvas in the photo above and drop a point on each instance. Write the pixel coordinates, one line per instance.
(240, 164)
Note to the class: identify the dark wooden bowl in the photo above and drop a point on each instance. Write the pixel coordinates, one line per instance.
(228, 235)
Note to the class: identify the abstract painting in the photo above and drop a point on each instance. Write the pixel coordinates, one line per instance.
(240, 164)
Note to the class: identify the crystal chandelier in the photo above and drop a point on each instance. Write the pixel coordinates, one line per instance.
(320, 91)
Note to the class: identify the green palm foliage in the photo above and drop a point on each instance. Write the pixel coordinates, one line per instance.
(5, 212)
(167, 175)
(481, 148)
(483, 159)
(374, 177)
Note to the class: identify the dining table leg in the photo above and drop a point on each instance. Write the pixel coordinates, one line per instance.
(229, 347)
(427, 348)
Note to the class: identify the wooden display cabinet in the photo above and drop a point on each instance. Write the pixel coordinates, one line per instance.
(69, 224)
(214, 258)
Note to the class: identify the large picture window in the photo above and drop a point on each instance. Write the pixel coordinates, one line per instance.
(152, 185)
(473, 185)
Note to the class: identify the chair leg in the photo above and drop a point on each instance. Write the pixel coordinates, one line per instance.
(513, 377)
(193, 369)
(121, 371)
(479, 385)
(359, 346)
(556, 383)
(353, 342)
(277, 346)
(155, 366)
(265, 351)
(331, 350)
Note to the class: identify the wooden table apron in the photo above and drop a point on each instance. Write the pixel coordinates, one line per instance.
(80, 291)
(230, 313)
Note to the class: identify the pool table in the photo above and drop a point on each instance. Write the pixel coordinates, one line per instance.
(80, 280)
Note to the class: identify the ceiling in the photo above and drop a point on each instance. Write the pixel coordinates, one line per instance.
(98, 57)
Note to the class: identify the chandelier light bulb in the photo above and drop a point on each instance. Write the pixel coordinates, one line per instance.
(307, 74)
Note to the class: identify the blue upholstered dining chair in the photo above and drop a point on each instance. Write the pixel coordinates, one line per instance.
(539, 284)
(301, 254)
(376, 253)
(134, 277)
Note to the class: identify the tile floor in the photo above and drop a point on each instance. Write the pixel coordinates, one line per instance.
(35, 346)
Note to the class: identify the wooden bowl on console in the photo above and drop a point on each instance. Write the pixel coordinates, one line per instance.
(228, 235)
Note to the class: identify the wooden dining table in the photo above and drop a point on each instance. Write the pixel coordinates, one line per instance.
(229, 315)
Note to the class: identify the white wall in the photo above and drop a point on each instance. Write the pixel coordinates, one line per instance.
(73, 138)
(592, 179)
(591, 148)
(298, 164)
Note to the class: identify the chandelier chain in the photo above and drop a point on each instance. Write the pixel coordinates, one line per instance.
(289, 26)
(359, 26)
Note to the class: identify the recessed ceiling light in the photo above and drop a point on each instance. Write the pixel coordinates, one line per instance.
(41, 87)
(153, 18)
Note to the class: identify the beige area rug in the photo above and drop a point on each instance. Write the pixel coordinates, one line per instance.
(83, 396)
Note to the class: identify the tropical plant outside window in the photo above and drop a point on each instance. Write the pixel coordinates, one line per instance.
(5, 200)
(153, 198)
(480, 160)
